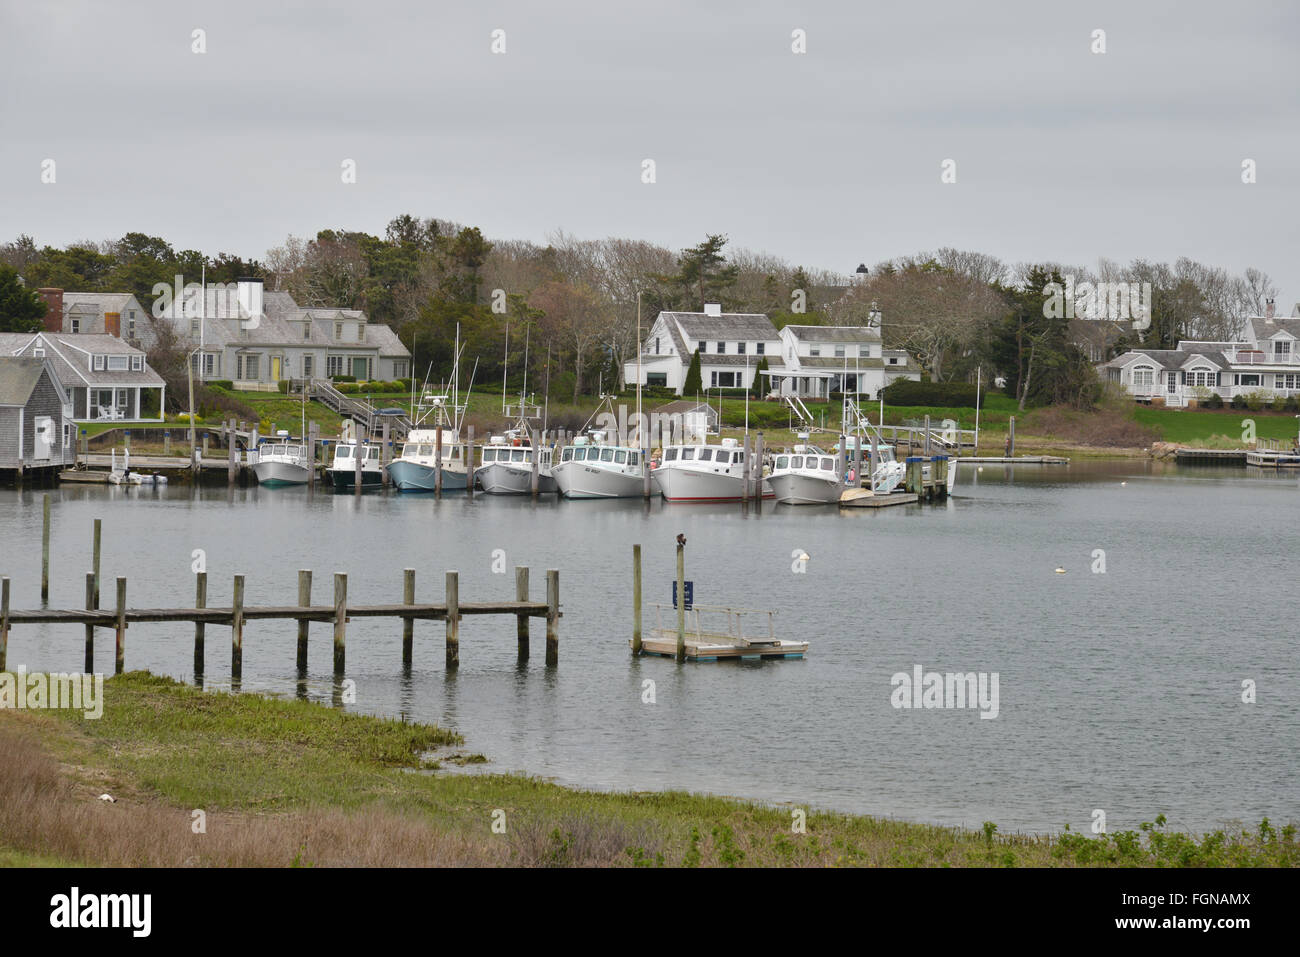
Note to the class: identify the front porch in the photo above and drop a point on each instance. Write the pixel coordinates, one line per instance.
(118, 404)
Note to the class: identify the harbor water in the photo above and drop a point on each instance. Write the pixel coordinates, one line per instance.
(1120, 680)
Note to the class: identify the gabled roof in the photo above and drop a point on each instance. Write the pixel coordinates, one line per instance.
(69, 354)
(18, 377)
(1264, 328)
(728, 325)
(834, 333)
(98, 301)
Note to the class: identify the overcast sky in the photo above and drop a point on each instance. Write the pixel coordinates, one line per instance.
(827, 159)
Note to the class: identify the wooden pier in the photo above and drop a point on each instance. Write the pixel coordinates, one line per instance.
(338, 614)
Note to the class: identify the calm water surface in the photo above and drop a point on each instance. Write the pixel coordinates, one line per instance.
(1119, 691)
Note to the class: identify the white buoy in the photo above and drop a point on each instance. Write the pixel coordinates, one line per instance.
(1060, 570)
(109, 798)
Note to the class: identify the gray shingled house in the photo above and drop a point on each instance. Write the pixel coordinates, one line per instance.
(106, 379)
(256, 339)
(731, 345)
(35, 428)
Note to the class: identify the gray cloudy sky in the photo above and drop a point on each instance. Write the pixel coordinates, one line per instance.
(826, 159)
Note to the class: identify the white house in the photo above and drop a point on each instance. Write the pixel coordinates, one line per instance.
(819, 360)
(1266, 360)
(731, 345)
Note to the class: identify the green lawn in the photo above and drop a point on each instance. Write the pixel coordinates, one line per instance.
(1196, 425)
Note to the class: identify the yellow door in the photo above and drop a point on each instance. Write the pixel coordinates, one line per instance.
(275, 368)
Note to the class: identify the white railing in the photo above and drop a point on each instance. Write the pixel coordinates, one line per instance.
(1257, 357)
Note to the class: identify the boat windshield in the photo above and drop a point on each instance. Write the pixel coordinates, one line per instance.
(670, 455)
(796, 462)
(607, 454)
(621, 457)
(518, 455)
(828, 465)
(489, 455)
(566, 455)
(688, 455)
(783, 461)
(343, 452)
(706, 455)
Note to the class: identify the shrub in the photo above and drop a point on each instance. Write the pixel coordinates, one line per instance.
(1256, 400)
(944, 394)
(1213, 401)
(1238, 401)
(225, 384)
(345, 378)
(1292, 404)
(1278, 404)
(283, 386)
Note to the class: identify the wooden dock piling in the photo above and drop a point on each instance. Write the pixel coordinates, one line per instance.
(200, 614)
(120, 663)
(304, 601)
(237, 630)
(90, 629)
(681, 602)
(340, 622)
(552, 617)
(437, 462)
(535, 440)
(94, 558)
(408, 624)
(200, 601)
(469, 464)
(4, 621)
(358, 460)
(45, 550)
(385, 456)
(636, 599)
(521, 626)
(453, 620)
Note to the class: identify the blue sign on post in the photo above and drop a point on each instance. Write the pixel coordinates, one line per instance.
(690, 594)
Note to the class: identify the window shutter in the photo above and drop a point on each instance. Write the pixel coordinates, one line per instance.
(1182, 378)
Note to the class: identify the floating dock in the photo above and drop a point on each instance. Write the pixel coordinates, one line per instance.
(1210, 456)
(1015, 459)
(698, 642)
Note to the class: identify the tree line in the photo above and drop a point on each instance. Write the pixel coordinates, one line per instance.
(575, 301)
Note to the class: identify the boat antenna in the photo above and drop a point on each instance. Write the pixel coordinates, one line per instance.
(546, 399)
(505, 368)
(639, 437)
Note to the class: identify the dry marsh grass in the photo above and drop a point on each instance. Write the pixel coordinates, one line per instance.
(288, 783)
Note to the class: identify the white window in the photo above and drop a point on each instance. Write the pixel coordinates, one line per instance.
(740, 348)
(760, 348)
(118, 363)
(98, 365)
(306, 329)
(338, 330)
(39, 352)
(721, 348)
(137, 363)
(1198, 378)
(839, 352)
(247, 367)
(814, 350)
(1143, 376)
(335, 366)
(1289, 381)
(306, 366)
(76, 326)
(1282, 347)
(207, 360)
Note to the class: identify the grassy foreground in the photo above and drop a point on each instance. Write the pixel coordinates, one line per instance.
(212, 779)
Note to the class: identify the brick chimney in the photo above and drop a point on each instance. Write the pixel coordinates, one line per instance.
(113, 324)
(53, 309)
(1269, 308)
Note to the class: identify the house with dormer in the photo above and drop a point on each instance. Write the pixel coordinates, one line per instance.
(820, 360)
(730, 344)
(255, 339)
(106, 378)
(1266, 360)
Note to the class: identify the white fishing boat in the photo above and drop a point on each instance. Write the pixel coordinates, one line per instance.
(342, 472)
(807, 476)
(704, 473)
(416, 467)
(506, 467)
(591, 469)
(282, 462)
